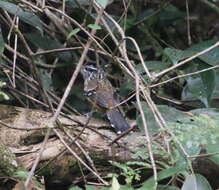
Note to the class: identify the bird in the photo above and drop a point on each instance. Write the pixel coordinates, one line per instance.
(101, 94)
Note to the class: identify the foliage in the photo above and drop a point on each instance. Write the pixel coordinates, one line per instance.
(40, 49)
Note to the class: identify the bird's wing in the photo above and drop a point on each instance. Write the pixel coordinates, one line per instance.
(105, 99)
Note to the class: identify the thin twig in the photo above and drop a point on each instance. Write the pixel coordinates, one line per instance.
(185, 61)
(64, 97)
(182, 76)
(188, 23)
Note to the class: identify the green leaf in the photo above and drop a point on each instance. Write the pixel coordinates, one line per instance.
(213, 148)
(208, 80)
(115, 184)
(193, 133)
(175, 55)
(126, 187)
(173, 116)
(167, 187)
(197, 182)
(153, 66)
(26, 16)
(90, 187)
(74, 188)
(94, 26)
(165, 173)
(200, 87)
(170, 14)
(46, 43)
(22, 174)
(3, 96)
(73, 33)
(211, 57)
(103, 3)
(195, 89)
(211, 112)
(169, 172)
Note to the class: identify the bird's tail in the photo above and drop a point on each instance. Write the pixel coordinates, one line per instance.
(117, 121)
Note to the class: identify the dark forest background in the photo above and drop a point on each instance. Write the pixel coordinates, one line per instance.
(162, 57)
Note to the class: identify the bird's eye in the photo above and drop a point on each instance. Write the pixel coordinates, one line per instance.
(90, 69)
(89, 93)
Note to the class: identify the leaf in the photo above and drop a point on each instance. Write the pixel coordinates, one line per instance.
(94, 26)
(195, 89)
(22, 174)
(103, 3)
(208, 80)
(196, 182)
(201, 86)
(74, 4)
(115, 184)
(175, 55)
(73, 33)
(213, 148)
(90, 187)
(153, 66)
(27, 17)
(170, 14)
(199, 130)
(173, 116)
(74, 188)
(4, 96)
(46, 43)
(126, 187)
(165, 173)
(211, 57)
(167, 187)
(211, 112)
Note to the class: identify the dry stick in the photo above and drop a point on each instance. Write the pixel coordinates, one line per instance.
(42, 148)
(204, 155)
(79, 26)
(18, 53)
(124, 53)
(32, 6)
(56, 21)
(159, 118)
(185, 75)
(69, 49)
(148, 139)
(77, 157)
(169, 131)
(117, 43)
(56, 114)
(63, 151)
(211, 5)
(124, 101)
(86, 156)
(21, 128)
(31, 63)
(185, 61)
(147, 96)
(140, 56)
(155, 110)
(29, 97)
(74, 140)
(151, 105)
(15, 53)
